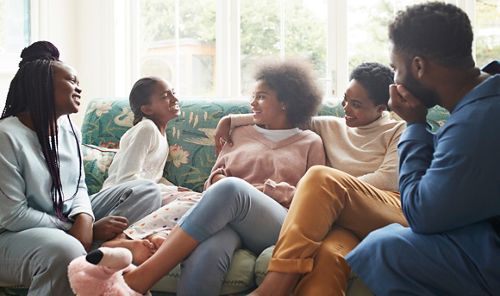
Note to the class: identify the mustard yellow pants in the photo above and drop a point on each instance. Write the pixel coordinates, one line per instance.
(330, 213)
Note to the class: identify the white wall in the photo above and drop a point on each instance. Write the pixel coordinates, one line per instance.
(100, 51)
(53, 20)
(84, 33)
(94, 50)
(5, 78)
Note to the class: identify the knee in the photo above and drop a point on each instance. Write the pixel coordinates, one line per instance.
(227, 188)
(61, 250)
(383, 244)
(319, 174)
(388, 235)
(147, 191)
(231, 184)
(150, 189)
(315, 172)
(323, 184)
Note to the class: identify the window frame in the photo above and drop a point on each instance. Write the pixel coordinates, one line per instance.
(228, 46)
(9, 60)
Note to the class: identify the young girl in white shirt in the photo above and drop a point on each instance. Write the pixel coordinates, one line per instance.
(144, 147)
(143, 154)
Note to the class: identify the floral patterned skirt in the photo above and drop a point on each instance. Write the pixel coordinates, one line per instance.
(163, 220)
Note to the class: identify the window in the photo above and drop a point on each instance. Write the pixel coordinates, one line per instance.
(177, 43)
(14, 29)
(368, 21)
(292, 28)
(367, 24)
(209, 47)
(14, 36)
(487, 31)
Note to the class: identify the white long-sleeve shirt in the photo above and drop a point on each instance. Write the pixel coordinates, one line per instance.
(25, 182)
(142, 155)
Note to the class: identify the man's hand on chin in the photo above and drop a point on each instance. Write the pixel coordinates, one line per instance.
(407, 106)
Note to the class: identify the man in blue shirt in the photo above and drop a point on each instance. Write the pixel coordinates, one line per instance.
(450, 181)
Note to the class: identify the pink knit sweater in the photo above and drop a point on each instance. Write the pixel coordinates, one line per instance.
(272, 167)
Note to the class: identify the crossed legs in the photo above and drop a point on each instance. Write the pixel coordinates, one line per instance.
(231, 202)
(330, 213)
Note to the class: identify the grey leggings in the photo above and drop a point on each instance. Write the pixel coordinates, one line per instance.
(38, 257)
(231, 212)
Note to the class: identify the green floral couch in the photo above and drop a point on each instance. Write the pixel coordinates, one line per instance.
(191, 157)
(190, 136)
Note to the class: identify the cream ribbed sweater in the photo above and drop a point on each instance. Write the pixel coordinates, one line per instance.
(368, 152)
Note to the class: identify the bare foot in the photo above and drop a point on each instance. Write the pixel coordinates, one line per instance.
(141, 249)
(157, 240)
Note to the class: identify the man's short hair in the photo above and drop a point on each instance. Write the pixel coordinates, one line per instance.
(375, 78)
(434, 30)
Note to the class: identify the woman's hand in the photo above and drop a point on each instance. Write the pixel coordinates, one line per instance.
(217, 177)
(82, 230)
(109, 227)
(281, 192)
(222, 134)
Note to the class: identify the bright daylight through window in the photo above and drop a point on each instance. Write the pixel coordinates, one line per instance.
(208, 48)
(14, 35)
(179, 38)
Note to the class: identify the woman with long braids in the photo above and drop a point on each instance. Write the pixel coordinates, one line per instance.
(46, 216)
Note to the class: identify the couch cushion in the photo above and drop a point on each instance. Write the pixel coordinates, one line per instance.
(261, 264)
(96, 161)
(191, 140)
(239, 278)
(105, 121)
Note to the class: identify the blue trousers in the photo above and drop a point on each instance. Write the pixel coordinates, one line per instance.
(394, 260)
(231, 212)
(39, 257)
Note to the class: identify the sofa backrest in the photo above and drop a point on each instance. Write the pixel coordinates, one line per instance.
(190, 136)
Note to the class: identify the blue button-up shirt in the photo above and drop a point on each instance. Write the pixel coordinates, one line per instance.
(452, 179)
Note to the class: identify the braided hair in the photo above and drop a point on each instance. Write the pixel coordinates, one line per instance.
(32, 91)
